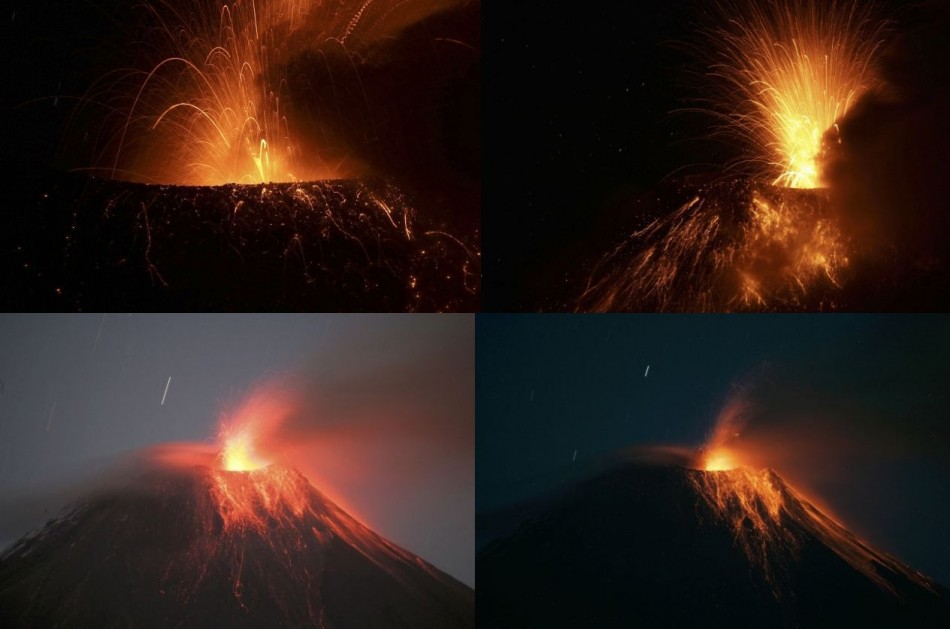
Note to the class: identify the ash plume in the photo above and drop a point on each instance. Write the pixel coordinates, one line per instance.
(887, 168)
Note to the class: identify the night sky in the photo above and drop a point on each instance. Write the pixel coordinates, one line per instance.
(590, 104)
(79, 393)
(854, 408)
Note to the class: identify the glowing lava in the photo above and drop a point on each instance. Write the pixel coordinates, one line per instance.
(718, 461)
(734, 245)
(246, 433)
(239, 453)
(211, 107)
(207, 99)
(786, 72)
(250, 499)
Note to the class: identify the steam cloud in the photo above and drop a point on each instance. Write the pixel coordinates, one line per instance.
(888, 172)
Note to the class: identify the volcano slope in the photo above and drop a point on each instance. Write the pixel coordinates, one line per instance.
(728, 244)
(673, 547)
(343, 245)
(202, 548)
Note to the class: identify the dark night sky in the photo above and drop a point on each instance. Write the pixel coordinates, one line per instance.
(855, 407)
(77, 392)
(589, 106)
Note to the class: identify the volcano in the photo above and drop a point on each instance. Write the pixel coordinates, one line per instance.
(201, 547)
(664, 546)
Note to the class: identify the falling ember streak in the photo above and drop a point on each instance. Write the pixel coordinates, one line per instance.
(95, 343)
(248, 498)
(750, 501)
(167, 384)
(49, 421)
(786, 72)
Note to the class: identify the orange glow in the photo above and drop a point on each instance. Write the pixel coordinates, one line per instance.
(734, 246)
(786, 72)
(759, 508)
(250, 498)
(751, 502)
(213, 111)
(239, 453)
(208, 103)
(719, 460)
(247, 433)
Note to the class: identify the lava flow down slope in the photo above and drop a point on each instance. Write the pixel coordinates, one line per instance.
(668, 546)
(201, 546)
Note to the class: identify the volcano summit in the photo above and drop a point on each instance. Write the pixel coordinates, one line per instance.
(202, 547)
(666, 546)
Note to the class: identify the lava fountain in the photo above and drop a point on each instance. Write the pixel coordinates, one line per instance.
(208, 105)
(783, 73)
(208, 101)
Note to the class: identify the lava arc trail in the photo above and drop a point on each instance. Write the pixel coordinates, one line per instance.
(208, 103)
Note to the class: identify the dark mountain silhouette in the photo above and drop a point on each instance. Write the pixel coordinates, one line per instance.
(661, 546)
(207, 548)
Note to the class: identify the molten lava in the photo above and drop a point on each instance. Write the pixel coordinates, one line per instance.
(239, 453)
(750, 502)
(247, 430)
(771, 522)
(718, 460)
(252, 498)
(211, 108)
